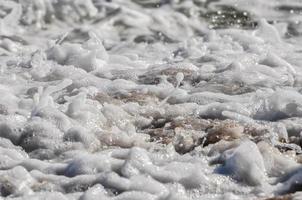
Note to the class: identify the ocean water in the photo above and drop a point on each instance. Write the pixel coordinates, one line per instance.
(150, 99)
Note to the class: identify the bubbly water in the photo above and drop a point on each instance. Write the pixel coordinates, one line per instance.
(150, 99)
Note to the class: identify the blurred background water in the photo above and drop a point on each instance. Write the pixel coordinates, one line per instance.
(237, 13)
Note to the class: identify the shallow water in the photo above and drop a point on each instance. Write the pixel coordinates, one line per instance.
(150, 99)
